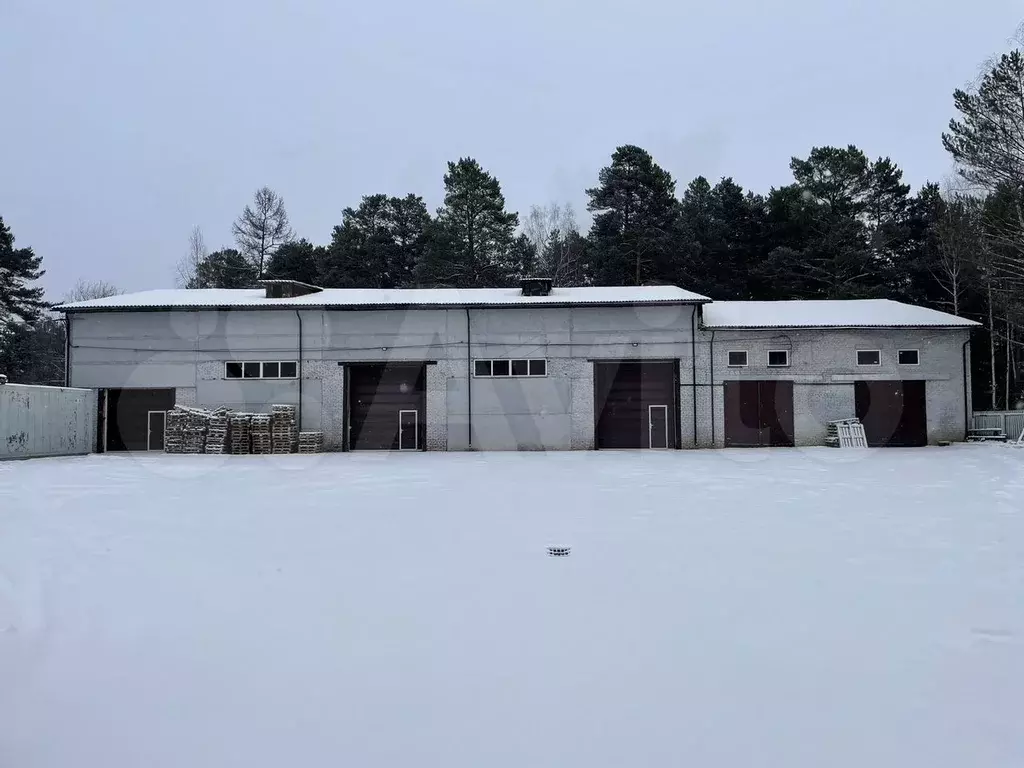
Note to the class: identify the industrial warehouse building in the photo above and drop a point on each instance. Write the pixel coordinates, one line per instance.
(530, 368)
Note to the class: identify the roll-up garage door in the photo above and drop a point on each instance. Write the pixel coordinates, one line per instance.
(758, 413)
(386, 406)
(893, 412)
(636, 404)
(135, 418)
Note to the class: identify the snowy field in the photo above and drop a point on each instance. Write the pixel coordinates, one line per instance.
(790, 608)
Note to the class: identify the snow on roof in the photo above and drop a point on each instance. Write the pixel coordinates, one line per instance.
(846, 313)
(255, 298)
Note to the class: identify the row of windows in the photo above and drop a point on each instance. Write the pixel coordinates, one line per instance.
(261, 370)
(501, 368)
(779, 358)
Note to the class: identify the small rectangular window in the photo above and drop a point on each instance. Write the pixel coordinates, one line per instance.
(271, 370)
(910, 357)
(289, 370)
(520, 368)
(778, 358)
(232, 370)
(538, 367)
(482, 368)
(500, 368)
(737, 359)
(869, 357)
(250, 370)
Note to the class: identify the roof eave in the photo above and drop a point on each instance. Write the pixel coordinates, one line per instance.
(971, 324)
(344, 307)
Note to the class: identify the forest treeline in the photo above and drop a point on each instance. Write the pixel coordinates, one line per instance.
(845, 227)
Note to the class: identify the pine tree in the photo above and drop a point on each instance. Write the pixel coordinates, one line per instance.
(296, 260)
(633, 232)
(721, 239)
(838, 232)
(226, 268)
(522, 260)
(378, 244)
(987, 142)
(474, 232)
(18, 266)
(262, 228)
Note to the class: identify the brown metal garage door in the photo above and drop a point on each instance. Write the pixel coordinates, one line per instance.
(758, 413)
(893, 412)
(386, 406)
(135, 418)
(636, 404)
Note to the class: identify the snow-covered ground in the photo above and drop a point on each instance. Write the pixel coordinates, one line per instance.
(782, 608)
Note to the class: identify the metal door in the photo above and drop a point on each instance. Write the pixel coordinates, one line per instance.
(657, 426)
(408, 430)
(157, 421)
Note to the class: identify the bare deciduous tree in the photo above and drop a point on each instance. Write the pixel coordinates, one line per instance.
(188, 268)
(91, 289)
(262, 228)
(542, 221)
(959, 246)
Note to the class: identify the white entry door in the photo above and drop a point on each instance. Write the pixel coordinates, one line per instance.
(657, 429)
(408, 430)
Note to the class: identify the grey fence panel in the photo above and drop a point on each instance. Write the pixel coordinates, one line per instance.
(1011, 422)
(46, 421)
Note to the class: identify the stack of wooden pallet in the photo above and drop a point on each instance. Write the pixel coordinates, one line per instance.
(259, 433)
(194, 431)
(311, 442)
(846, 433)
(174, 431)
(217, 431)
(239, 442)
(283, 429)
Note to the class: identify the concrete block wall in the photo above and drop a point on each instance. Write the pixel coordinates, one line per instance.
(187, 350)
(823, 368)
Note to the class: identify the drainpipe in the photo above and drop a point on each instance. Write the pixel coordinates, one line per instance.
(713, 443)
(67, 350)
(967, 395)
(693, 360)
(298, 316)
(469, 382)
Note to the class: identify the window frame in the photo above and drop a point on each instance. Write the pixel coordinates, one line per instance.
(730, 352)
(491, 362)
(768, 358)
(869, 351)
(260, 367)
(917, 353)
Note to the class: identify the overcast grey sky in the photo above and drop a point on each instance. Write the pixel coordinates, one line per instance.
(127, 122)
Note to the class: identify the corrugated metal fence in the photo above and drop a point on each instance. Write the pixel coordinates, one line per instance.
(1011, 422)
(46, 421)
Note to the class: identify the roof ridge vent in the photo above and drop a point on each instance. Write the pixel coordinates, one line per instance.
(536, 286)
(287, 289)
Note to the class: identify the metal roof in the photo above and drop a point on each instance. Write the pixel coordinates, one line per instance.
(838, 313)
(255, 298)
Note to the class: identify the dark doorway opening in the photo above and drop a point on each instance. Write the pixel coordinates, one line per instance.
(759, 414)
(387, 406)
(893, 413)
(130, 420)
(636, 404)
